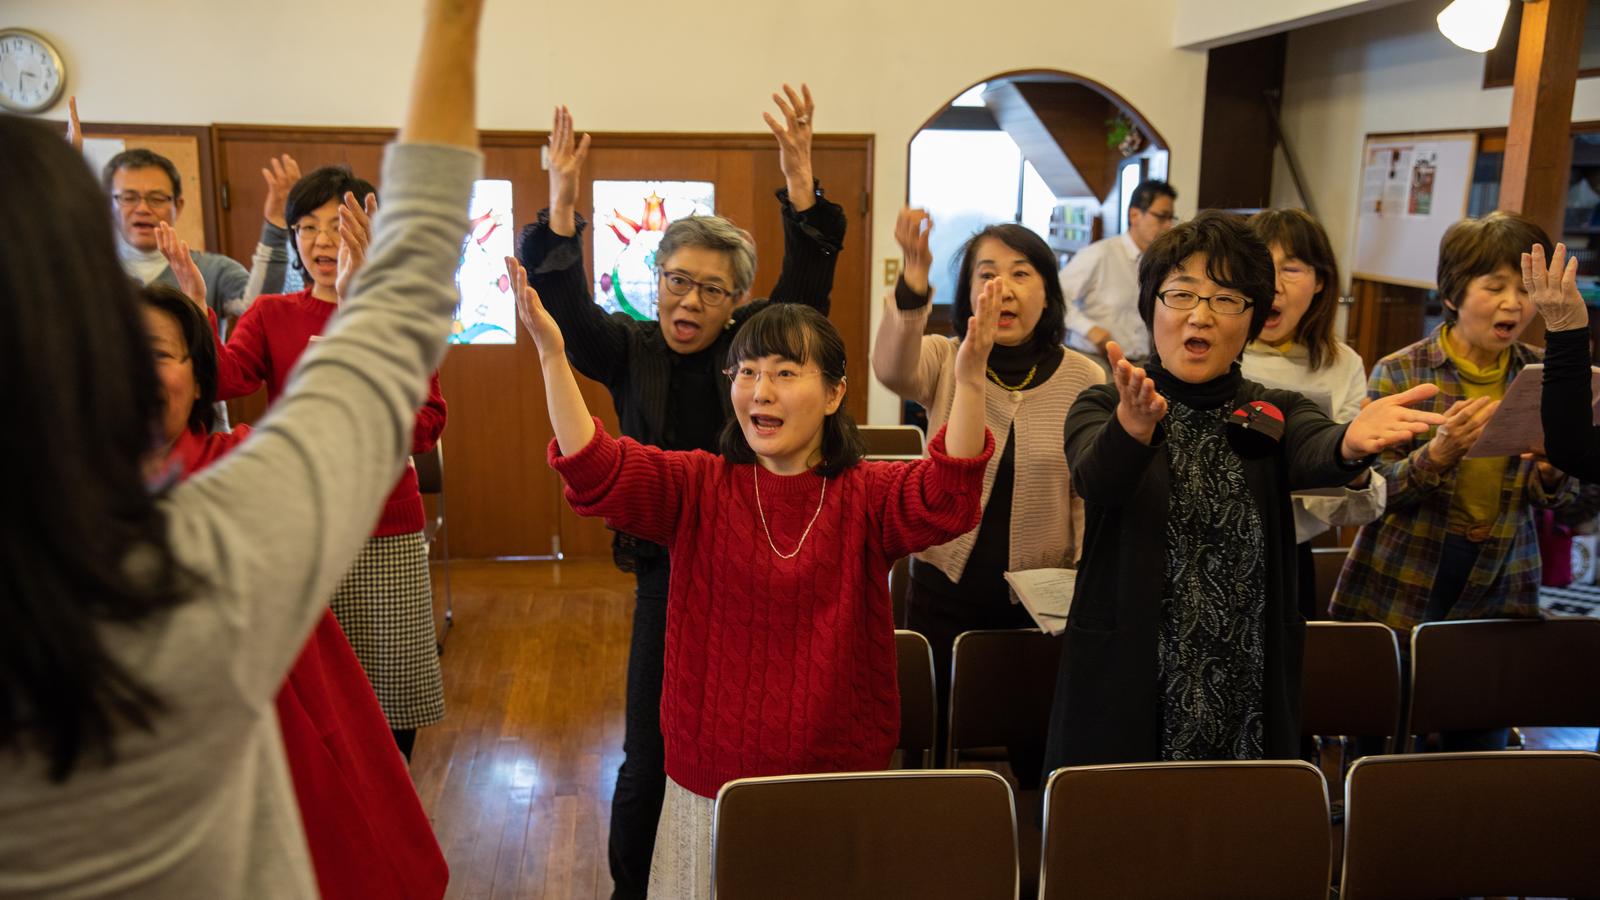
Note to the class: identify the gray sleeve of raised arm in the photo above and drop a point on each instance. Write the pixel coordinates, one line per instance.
(271, 529)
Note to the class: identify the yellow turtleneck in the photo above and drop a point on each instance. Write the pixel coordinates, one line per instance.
(1477, 495)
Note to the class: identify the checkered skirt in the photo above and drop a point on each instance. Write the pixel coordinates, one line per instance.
(385, 606)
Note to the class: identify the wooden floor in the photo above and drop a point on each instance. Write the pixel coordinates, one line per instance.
(519, 775)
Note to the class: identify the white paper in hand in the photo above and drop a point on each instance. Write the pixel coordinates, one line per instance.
(1515, 428)
(1046, 594)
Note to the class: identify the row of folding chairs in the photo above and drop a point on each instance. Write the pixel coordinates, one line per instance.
(1464, 675)
(1416, 826)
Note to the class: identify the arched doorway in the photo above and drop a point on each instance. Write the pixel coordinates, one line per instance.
(1049, 149)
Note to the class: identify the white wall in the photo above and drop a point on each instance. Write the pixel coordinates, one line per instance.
(1385, 71)
(1213, 23)
(880, 67)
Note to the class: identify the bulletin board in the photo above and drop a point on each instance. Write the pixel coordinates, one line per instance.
(1412, 188)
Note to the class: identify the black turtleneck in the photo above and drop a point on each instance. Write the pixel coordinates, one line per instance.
(1205, 395)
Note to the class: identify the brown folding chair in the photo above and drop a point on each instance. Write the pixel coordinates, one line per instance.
(1498, 673)
(866, 836)
(1472, 824)
(1236, 830)
(919, 716)
(1351, 686)
(1327, 562)
(893, 441)
(1002, 684)
(899, 589)
(430, 483)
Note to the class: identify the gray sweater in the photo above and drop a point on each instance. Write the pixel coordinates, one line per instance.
(204, 807)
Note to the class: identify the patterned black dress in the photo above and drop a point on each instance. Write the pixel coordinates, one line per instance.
(1211, 654)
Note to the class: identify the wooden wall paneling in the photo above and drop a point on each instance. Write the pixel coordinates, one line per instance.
(1238, 139)
(1384, 318)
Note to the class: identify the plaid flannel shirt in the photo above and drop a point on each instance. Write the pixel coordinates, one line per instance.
(1390, 571)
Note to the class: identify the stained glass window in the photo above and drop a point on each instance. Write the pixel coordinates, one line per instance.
(629, 220)
(487, 311)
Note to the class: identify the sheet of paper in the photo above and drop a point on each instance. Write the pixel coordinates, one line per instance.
(98, 151)
(1515, 428)
(1046, 594)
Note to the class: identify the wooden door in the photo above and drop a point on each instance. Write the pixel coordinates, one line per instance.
(504, 501)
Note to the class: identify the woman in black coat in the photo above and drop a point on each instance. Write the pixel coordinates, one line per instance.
(1185, 636)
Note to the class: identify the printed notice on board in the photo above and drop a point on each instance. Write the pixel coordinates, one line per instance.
(1386, 181)
(1424, 163)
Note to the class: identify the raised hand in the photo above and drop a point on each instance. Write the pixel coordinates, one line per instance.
(184, 269)
(355, 232)
(1389, 422)
(911, 231)
(280, 173)
(1555, 289)
(1140, 407)
(535, 318)
(566, 172)
(972, 357)
(794, 143)
(74, 126)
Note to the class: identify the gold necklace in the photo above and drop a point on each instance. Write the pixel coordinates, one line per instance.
(993, 376)
(756, 474)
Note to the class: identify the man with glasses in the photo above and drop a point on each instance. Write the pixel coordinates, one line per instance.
(145, 191)
(1101, 283)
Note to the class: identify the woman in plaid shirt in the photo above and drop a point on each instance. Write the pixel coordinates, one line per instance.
(1457, 538)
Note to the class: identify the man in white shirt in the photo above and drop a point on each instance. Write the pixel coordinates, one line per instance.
(1101, 283)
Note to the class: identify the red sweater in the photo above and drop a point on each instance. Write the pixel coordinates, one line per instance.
(357, 802)
(775, 666)
(264, 347)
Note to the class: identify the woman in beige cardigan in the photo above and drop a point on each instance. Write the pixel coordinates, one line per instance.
(1031, 517)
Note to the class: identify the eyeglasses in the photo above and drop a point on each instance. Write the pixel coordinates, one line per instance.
(152, 199)
(749, 376)
(311, 230)
(679, 285)
(1163, 218)
(1221, 304)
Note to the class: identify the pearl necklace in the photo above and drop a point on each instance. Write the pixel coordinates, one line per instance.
(756, 474)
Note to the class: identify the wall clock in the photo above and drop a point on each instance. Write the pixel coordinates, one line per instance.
(32, 75)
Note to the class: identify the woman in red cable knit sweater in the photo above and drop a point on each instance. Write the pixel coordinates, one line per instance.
(780, 646)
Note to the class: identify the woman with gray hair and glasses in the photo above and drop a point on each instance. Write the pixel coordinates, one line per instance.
(666, 380)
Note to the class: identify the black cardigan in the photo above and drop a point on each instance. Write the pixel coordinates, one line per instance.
(632, 359)
(1571, 439)
(1107, 700)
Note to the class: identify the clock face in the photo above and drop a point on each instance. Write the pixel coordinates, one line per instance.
(31, 73)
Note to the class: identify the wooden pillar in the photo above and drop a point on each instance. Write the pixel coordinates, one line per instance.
(1539, 141)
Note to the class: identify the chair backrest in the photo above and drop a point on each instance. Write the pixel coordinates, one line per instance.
(1495, 673)
(1326, 563)
(866, 836)
(1251, 829)
(430, 469)
(1472, 824)
(900, 589)
(893, 441)
(1352, 680)
(1002, 684)
(919, 716)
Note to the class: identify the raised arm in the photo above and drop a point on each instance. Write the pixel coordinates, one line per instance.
(1113, 433)
(569, 414)
(274, 530)
(551, 249)
(1571, 440)
(903, 358)
(813, 225)
(269, 264)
